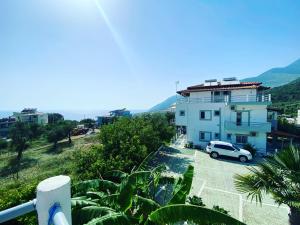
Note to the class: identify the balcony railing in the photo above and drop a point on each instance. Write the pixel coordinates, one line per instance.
(227, 99)
(250, 127)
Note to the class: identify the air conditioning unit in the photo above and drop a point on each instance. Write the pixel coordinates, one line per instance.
(253, 134)
(233, 107)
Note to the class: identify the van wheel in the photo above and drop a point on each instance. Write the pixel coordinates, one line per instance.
(243, 158)
(214, 155)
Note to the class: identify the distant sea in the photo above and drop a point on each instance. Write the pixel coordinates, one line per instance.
(72, 114)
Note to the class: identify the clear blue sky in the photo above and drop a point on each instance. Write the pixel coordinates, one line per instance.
(84, 54)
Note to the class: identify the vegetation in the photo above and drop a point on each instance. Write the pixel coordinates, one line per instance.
(123, 145)
(19, 135)
(55, 118)
(278, 176)
(3, 144)
(250, 148)
(59, 131)
(133, 201)
(195, 200)
(283, 125)
(286, 98)
(88, 123)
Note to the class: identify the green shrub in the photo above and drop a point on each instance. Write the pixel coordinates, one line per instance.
(250, 148)
(3, 144)
(17, 194)
(195, 200)
(220, 209)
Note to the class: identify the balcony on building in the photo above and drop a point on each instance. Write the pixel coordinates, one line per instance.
(228, 99)
(248, 126)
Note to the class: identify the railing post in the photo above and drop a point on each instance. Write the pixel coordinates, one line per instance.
(54, 190)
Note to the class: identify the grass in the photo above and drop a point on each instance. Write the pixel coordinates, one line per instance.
(39, 162)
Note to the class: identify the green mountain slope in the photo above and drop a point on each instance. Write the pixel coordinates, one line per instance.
(286, 93)
(278, 76)
(286, 98)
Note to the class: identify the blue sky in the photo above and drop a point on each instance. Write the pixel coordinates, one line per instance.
(84, 54)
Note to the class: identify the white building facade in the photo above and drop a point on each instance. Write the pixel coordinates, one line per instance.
(227, 110)
(31, 116)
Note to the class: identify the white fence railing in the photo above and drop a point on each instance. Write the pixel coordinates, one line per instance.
(52, 203)
(226, 99)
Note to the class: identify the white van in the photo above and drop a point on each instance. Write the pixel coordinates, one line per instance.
(221, 148)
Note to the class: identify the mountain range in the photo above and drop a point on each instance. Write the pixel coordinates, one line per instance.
(274, 77)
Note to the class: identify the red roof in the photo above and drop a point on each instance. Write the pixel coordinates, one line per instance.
(222, 87)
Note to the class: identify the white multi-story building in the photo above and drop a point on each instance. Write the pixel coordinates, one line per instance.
(227, 110)
(31, 116)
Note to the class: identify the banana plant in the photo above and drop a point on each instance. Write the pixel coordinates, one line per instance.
(128, 199)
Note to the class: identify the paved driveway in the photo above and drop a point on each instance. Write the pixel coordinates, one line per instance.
(213, 182)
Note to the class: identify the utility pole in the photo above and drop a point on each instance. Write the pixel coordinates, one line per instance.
(176, 86)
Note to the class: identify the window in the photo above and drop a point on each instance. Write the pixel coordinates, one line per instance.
(229, 136)
(205, 115)
(224, 147)
(217, 135)
(241, 139)
(204, 136)
(217, 113)
(182, 113)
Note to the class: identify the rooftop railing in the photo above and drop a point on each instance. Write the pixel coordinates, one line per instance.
(52, 203)
(227, 99)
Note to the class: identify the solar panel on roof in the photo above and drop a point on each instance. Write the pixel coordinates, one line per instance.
(230, 79)
(212, 80)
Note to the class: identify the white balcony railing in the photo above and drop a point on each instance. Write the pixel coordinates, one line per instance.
(227, 99)
(250, 127)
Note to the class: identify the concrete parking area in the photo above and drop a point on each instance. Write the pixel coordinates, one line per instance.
(214, 183)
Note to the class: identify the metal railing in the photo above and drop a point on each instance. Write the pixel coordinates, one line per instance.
(251, 126)
(52, 204)
(227, 99)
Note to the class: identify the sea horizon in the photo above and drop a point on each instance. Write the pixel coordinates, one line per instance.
(72, 114)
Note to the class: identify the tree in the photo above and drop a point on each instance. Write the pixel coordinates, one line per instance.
(88, 123)
(68, 126)
(19, 135)
(35, 130)
(130, 201)
(278, 176)
(55, 118)
(55, 134)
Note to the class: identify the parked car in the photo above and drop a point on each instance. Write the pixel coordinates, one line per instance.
(221, 148)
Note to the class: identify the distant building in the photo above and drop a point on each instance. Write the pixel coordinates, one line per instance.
(102, 120)
(29, 115)
(5, 125)
(298, 118)
(227, 110)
